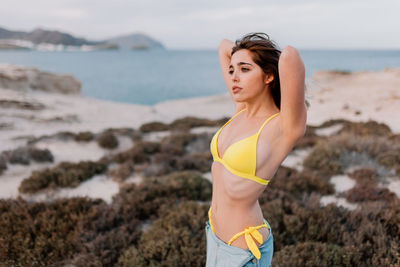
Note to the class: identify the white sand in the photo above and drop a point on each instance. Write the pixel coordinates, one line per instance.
(332, 96)
(328, 131)
(133, 179)
(394, 185)
(295, 159)
(340, 201)
(14, 175)
(78, 151)
(208, 176)
(342, 183)
(155, 136)
(375, 94)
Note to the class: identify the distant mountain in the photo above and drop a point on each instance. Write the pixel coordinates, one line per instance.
(134, 41)
(38, 36)
(6, 34)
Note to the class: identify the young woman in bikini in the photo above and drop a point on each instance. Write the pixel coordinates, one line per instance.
(268, 90)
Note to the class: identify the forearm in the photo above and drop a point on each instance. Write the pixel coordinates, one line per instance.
(225, 48)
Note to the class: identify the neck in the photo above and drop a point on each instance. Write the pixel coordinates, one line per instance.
(261, 106)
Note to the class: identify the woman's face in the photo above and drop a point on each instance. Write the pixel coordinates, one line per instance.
(246, 75)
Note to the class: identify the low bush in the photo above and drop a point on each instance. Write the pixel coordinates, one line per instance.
(65, 174)
(107, 140)
(175, 239)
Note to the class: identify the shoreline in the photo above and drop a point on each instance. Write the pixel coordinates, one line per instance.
(332, 95)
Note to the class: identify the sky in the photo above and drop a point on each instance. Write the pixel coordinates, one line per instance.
(185, 24)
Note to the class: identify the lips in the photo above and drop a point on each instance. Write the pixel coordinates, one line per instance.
(236, 89)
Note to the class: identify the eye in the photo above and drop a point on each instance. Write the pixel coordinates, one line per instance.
(245, 69)
(230, 72)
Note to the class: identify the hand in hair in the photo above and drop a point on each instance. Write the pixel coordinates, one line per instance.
(224, 54)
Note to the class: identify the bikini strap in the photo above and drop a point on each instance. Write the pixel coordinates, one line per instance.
(266, 121)
(237, 113)
(231, 118)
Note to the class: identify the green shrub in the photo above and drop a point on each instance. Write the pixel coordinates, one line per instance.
(156, 195)
(107, 140)
(299, 183)
(175, 239)
(316, 254)
(324, 158)
(154, 126)
(84, 136)
(65, 174)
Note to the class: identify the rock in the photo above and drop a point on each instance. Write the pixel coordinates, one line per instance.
(3, 163)
(23, 155)
(4, 103)
(25, 78)
(49, 82)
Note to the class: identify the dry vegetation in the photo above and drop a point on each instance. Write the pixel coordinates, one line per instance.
(161, 222)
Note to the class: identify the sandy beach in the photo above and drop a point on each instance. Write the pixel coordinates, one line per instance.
(108, 180)
(358, 97)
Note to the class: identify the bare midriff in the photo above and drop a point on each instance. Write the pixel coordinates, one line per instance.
(235, 206)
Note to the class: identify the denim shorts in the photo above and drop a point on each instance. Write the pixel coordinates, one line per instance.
(220, 254)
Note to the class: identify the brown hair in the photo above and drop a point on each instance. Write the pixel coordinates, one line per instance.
(265, 54)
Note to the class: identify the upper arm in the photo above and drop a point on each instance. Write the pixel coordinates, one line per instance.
(293, 114)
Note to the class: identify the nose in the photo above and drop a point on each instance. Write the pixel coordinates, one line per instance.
(235, 76)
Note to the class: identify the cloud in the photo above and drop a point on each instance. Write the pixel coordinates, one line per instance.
(195, 24)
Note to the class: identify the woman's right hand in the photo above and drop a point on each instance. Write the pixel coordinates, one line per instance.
(224, 54)
(225, 47)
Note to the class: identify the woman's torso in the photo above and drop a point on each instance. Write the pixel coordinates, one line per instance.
(235, 199)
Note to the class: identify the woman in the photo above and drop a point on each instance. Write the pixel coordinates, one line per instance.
(267, 87)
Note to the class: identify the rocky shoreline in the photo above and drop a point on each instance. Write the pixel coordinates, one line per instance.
(145, 167)
(45, 113)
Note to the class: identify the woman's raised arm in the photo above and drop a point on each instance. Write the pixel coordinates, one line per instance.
(293, 108)
(224, 54)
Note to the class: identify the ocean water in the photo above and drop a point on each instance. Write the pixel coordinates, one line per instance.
(149, 77)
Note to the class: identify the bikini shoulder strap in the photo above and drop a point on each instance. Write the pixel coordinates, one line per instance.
(266, 121)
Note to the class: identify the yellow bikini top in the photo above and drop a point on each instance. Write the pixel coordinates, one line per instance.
(240, 158)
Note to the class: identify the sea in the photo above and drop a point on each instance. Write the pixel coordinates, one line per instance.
(148, 77)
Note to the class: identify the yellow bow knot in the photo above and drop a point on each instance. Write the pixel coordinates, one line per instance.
(251, 231)
(256, 234)
(248, 233)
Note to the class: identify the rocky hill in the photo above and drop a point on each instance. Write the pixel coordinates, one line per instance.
(38, 36)
(40, 39)
(135, 41)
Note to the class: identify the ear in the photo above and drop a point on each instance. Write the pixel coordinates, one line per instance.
(268, 78)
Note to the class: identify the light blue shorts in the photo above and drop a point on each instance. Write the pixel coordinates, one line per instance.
(220, 254)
